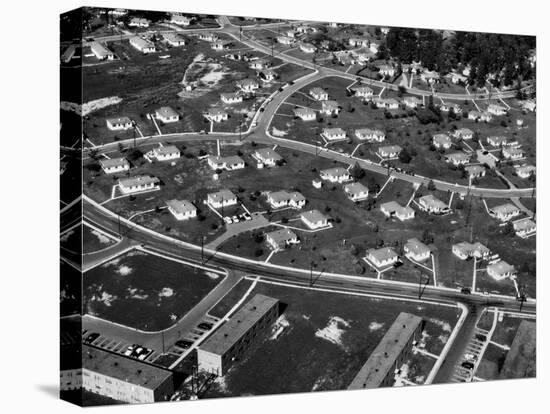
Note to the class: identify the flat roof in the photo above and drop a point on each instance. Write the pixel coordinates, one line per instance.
(122, 368)
(221, 341)
(383, 357)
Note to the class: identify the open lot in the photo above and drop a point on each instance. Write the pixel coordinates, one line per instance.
(144, 291)
(324, 341)
(93, 240)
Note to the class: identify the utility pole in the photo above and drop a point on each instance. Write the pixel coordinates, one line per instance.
(202, 250)
(420, 287)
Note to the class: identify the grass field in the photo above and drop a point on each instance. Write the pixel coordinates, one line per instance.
(92, 240)
(324, 343)
(143, 291)
(70, 288)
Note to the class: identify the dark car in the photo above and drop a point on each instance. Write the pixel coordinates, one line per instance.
(481, 337)
(468, 365)
(205, 325)
(466, 290)
(91, 338)
(183, 344)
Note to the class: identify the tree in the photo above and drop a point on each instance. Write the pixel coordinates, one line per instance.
(357, 172)
(404, 156)
(427, 237)
(431, 185)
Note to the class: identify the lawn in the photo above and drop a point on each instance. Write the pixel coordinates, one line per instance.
(93, 240)
(144, 291)
(70, 288)
(326, 339)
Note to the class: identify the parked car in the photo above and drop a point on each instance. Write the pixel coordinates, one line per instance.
(183, 344)
(91, 337)
(205, 325)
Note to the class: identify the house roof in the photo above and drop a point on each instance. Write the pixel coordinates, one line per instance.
(173, 37)
(303, 111)
(473, 169)
(267, 154)
(223, 194)
(524, 225)
(441, 139)
(507, 208)
(229, 95)
(100, 49)
(142, 43)
(113, 162)
(230, 159)
(471, 248)
(432, 201)
(337, 171)
(416, 246)
(501, 267)
(138, 180)
(463, 131)
(497, 140)
(215, 112)
(282, 236)
(181, 206)
(458, 156)
(168, 149)
(166, 112)
(317, 91)
(382, 254)
(355, 188)
(314, 216)
(329, 104)
(119, 120)
(389, 149)
(526, 168)
(368, 131)
(333, 131)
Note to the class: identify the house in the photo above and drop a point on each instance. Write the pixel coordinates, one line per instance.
(333, 134)
(442, 141)
(267, 75)
(486, 117)
(314, 219)
(167, 115)
(318, 94)
(501, 270)
(291, 33)
(114, 165)
(230, 163)
(180, 20)
(384, 30)
(457, 78)
(457, 109)
(303, 28)
(117, 124)
(525, 228)
(480, 116)
(388, 103)
(173, 39)
(306, 114)
(432, 204)
(529, 105)
(463, 133)
(118, 12)
(280, 199)
(181, 209)
(430, 77)
(389, 151)
(370, 135)
(138, 183)
(317, 183)
(101, 52)
(356, 42)
(512, 153)
(474, 115)
(143, 45)
(525, 171)
(386, 70)
(504, 212)
(335, 175)
(285, 40)
(497, 110)
(218, 45)
(281, 239)
(362, 91)
(382, 257)
(465, 250)
(500, 141)
(330, 107)
(248, 85)
(363, 56)
(416, 250)
(412, 102)
(222, 198)
(356, 191)
(165, 153)
(231, 97)
(458, 158)
(373, 47)
(208, 37)
(307, 48)
(475, 171)
(138, 22)
(267, 156)
(216, 115)
(394, 209)
(258, 64)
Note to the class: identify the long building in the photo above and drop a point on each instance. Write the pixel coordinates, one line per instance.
(390, 353)
(119, 377)
(233, 338)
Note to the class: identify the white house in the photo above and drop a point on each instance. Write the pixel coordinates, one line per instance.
(316, 183)
(465, 250)
(394, 209)
(218, 45)
(137, 184)
(486, 117)
(330, 107)
(333, 134)
(267, 75)
(463, 133)
(208, 37)
(475, 171)
(412, 102)
(382, 257)
(282, 198)
(388, 103)
(117, 124)
(335, 175)
(456, 78)
(356, 42)
(442, 141)
(180, 20)
(525, 171)
(512, 153)
(501, 270)
(529, 105)
(370, 135)
(267, 156)
(314, 219)
(114, 165)
(373, 47)
(386, 70)
(281, 239)
(497, 141)
(143, 45)
(138, 22)
(101, 52)
(231, 97)
(173, 39)
(216, 115)
(230, 163)
(222, 198)
(318, 94)
(285, 40)
(432, 204)
(307, 48)
(306, 114)
(181, 209)
(167, 115)
(430, 77)
(248, 85)
(525, 228)
(356, 192)
(416, 250)
(258, 64)
(458, 158)
(505, 212)
(362, 91)
(165, 153)
(497, 110)
(389, 151)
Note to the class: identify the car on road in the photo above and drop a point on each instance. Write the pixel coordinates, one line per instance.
(466, 290)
